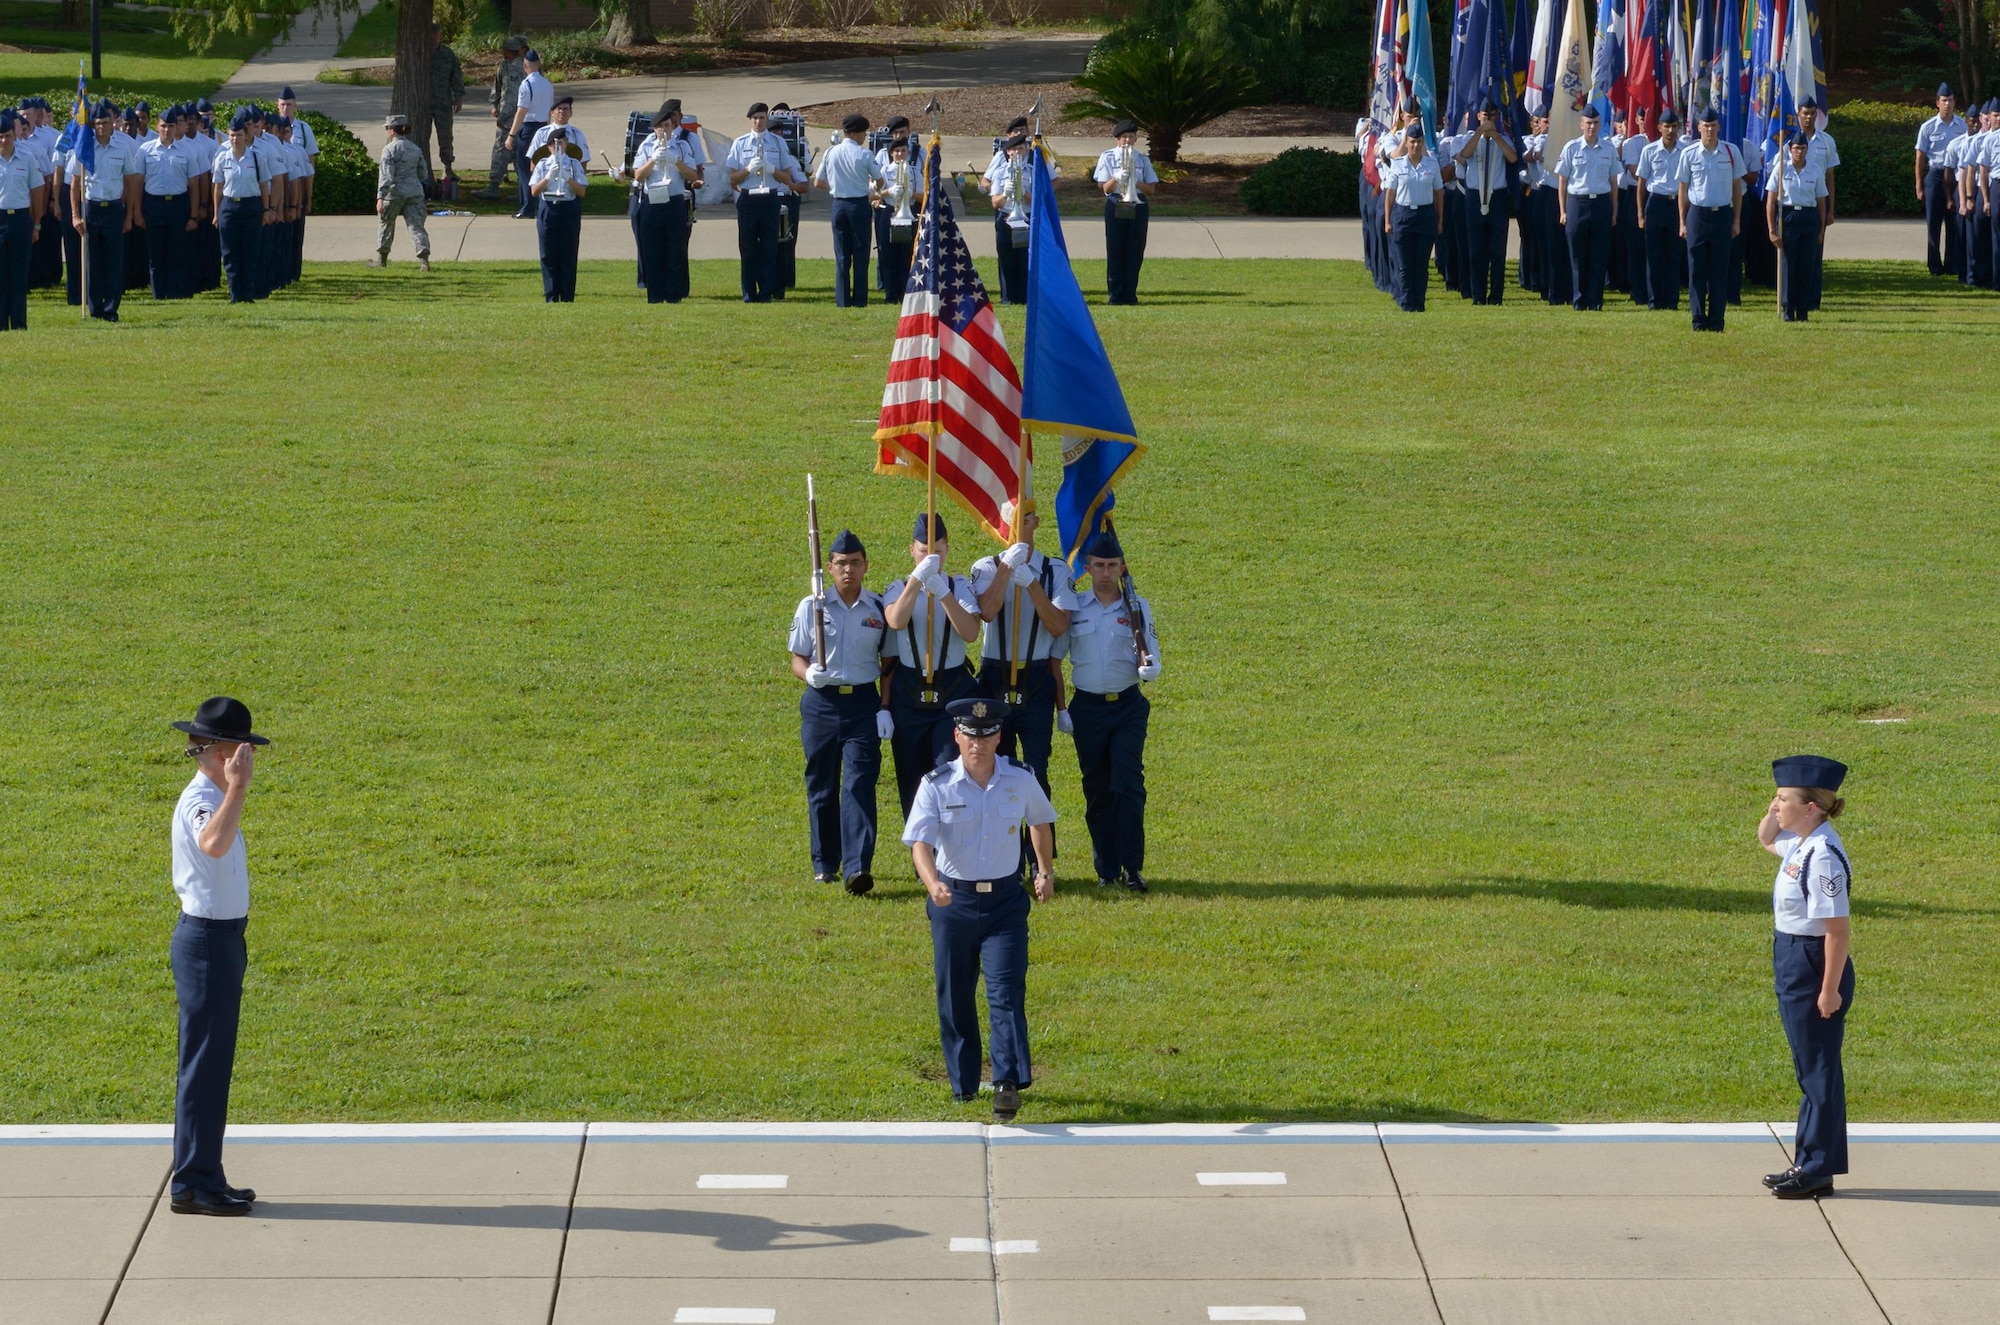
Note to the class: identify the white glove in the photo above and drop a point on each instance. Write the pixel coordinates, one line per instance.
(885, 724)
(1064, 724)
(1017, 555)
(926, 568)
(818, 677)
(1149, 671)
(1023, 577)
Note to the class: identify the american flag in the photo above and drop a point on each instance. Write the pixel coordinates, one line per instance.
(951, 379)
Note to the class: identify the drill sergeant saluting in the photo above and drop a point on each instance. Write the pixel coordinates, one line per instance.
(964, 837)
(930, 652)
(1108, 714)
(841, 721)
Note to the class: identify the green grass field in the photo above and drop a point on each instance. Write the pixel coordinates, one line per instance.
(1480, 629)
(140, 51)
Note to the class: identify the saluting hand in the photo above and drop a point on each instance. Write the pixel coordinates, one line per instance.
(237, 768)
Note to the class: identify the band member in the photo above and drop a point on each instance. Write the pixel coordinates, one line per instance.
(994, 181)
(962, 834)
(1482, 162)
(851, 177)
(790, 207)
(1108, 713)
(895, 216)
(762, 170)
(556, 182)
(665, 170)
(841, 720)
(1123, 173)
(104, 198)
(898, 127)
(932, 616)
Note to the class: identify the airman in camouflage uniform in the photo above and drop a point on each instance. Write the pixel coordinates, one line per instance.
(447, 92)
(504, 96)
(399, 191)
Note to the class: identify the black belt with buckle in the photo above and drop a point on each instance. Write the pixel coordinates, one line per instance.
(109, 202)
(167, 197)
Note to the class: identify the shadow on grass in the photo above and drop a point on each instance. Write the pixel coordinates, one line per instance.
(1595, 894)
(722, 1230)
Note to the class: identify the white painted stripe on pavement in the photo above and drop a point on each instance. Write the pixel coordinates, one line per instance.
(1240, 1179)
(1970, 1132)
(1004, 1247)
(1557, 1132)
(726, 1316)
(742, 1181)
(1256, 1313)
(971, 1244)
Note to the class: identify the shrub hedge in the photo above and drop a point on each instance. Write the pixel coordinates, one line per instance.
(1305, 181)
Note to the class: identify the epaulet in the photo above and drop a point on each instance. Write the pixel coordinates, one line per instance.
(937, 772)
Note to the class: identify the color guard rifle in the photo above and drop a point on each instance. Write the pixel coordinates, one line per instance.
(818, 575)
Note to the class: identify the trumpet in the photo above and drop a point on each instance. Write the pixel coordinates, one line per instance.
(1128, 197)
(757, 179)
(1014, 195)
(899, 195)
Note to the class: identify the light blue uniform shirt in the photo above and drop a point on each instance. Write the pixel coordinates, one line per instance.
(1935, 134)
(1802, 188)
(1447, 155)
(19, 174)
(975, 830)
(541, 138)
(41, 143)
(1142, 169)
(537, 96)
(1822, 151)
(1485, 170)
(563, 173)
(915, 160)
(1587, 169)
(166, 168)
(105, 180)
(1710, 176)
(777, 157)
(1659, 168)
(270, 158)
(1035, 641)
(1813, 882)
(666, 181)
(302, 166)
(847, 169)
(946, 648)
(214, 888)
(240, 177)
(853, 635)
(304, 137)
(1413, 183)
(1533, 169)
(1103, 658)
(200, 152)
(1629, 148)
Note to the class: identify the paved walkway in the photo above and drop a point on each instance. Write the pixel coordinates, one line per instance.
(935, 1224)
(492, 239)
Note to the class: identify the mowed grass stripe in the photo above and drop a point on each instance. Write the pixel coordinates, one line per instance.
(1480, 629)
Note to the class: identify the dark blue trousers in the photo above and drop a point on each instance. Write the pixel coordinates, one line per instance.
(1632, 245)
(1708, 266)
(1527, 205)
(1556, 288)
(1589, 238)
(1412, 238)
(663, 249)
(1371, 236)
(1028, 735)
(104, 237)
(1799, 227)
(1451, 242)
(635, 211)
(889, 290)
(893, 258)
(923, 735)
(167, 246)
(1937, 204)
(1799, 963)
(17, 231)
(843, 761)
(982, 932)
(1110, 735)
(523, 168)
(239, 226)
(46, 270)
(757, 245)
(850, 252)
(1013, 262)
(559, 227)
(1486, 245)
(208, 253)
(209, 958)
(1666, 252)
(1124, 252)
(72, 248)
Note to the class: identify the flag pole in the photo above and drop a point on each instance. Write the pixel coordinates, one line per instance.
(1780, 245)
(936, 394)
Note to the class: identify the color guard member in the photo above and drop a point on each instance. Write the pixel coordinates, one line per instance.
(1108, 714)
(104, 198)
(1025, 599)
(931, 617)
(1482, 165)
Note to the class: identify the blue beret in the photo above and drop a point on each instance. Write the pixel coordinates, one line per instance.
(285, 93)
(756, 108)
(919, 536)
(846, 544)
(7, 118)
(1944, 89)
(1808, 771)
(1104, 544)
(978, 717)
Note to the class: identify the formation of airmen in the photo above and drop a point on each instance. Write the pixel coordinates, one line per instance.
(1956, 156)
(1646, 212)
(161, 204)
(972, 749)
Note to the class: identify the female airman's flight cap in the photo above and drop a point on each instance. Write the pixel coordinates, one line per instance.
(1808, 771)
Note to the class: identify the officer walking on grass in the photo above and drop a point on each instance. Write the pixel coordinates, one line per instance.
(1108, 714)
(964, 834)
(212, 879)
(399, 191)
(841, 721)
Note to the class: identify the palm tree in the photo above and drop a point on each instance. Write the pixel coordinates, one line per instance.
(1167, 89)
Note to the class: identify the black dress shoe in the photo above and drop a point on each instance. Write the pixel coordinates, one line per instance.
(1105, 883)
(1006, 1101)
(209, 1203)
(861, 884)
(1133, 882)
(242, 1193)
(1797, 1186)
(1773, 1179)
(826, 878)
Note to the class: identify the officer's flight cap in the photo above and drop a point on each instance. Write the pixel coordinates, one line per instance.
(921, 536)
(222, 719)
(1808, 771)
(846, 544)
(1104, 545)
(563, 101)
(978, 717)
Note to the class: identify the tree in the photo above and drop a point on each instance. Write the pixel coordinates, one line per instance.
(1167, 89)
(411, 93)
(631, 23)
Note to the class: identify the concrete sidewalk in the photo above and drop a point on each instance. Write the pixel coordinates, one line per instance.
(933, 1224)
(497, 239)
